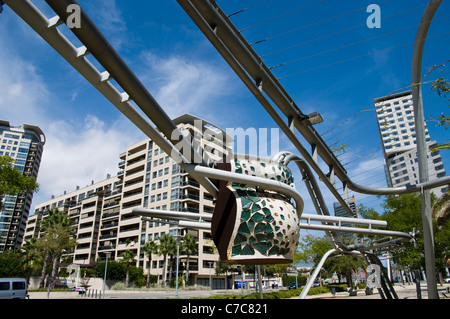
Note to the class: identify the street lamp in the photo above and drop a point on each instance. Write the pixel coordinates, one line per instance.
(106, 269)
(177, 236)
(311, 118)
(210, 283)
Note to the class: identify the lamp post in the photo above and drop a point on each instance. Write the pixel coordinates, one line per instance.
(106, 269)
(210, 283)
(177, 236)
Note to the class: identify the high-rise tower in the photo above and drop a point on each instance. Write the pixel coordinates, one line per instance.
(24, 144)
(395, 117)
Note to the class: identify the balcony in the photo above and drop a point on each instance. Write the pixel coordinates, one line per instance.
(110, 225)
(189, 197)
(106, 247)
(189, 183)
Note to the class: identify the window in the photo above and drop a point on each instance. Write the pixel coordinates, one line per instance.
(4, 285)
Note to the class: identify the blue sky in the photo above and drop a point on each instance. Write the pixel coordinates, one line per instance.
(335, 65)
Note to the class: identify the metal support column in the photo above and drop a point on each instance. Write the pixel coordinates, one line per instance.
(422, 31)
(315, 273)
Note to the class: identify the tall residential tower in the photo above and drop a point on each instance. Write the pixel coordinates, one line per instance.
(24, 144)
(395, 117)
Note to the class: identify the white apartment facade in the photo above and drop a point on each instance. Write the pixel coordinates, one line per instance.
(395, 117)
(24, 144)
(148, 178)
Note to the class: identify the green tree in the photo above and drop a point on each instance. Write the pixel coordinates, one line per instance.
(312, 249)
(344, 266)
(55, 239)
(12, 181)
(189, 246)
(30, 257)
(127, 258)
(165, 248)
(440, 87)
(404, 213)
(11, 265)
(150, 248)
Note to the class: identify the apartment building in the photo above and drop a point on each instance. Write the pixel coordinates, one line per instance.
(339, 211)
(395, 117)
(149, 178)
(24, 144)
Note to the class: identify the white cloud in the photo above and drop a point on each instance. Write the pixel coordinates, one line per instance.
(184, 86)
(75, 154)
(24, 94)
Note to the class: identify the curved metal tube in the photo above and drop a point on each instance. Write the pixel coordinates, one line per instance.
(285, 158)
(249, 180)
(419, 45)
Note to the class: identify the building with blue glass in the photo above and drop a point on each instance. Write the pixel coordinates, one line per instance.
(25, 145)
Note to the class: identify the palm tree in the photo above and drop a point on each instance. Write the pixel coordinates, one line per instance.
(56, 228)
(128, 257)
(189, 246)
(30, 257)
(166, 244)
(150, 248)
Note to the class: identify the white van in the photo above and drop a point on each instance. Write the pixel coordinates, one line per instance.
(13, 288)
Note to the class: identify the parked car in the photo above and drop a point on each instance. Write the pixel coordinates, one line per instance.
(316, 283)
(13, 288)
(293, 285)
(81, 290)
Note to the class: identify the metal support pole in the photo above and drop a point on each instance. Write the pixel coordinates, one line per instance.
(258, 269)
(315, 273)
(422, 31)
(178, 261)
(104, 277)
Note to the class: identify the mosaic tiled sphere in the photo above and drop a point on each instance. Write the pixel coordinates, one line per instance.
(264, 225)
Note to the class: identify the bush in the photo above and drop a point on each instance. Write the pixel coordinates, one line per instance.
(10, 265)
(116, 271)
(172, 282)
(338, 287)
(119, 286)
(282, 294)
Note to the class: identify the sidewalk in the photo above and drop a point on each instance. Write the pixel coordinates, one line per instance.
(403, 292)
